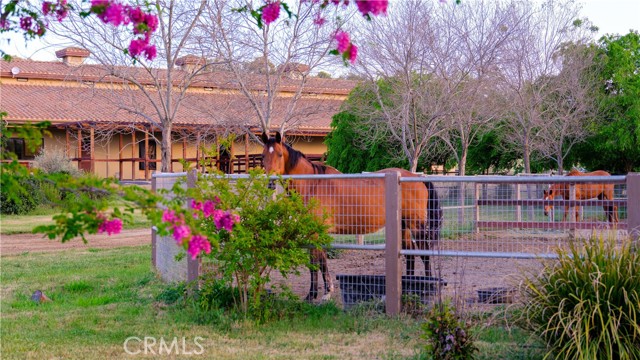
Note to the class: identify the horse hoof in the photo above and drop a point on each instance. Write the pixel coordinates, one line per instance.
(309, 298)
(326, 297)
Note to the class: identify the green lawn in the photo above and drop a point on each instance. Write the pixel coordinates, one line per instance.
(19, 224)
(102, 297)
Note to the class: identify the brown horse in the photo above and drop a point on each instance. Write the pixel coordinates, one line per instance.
(583, 192)
(356, 206)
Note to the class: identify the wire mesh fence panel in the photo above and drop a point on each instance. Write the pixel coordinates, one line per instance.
(494, 229)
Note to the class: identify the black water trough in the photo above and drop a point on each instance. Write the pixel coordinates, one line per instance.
(361, 288)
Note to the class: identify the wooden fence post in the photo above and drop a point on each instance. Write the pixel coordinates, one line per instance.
(193, 266)
(633, 208)
(393, 281)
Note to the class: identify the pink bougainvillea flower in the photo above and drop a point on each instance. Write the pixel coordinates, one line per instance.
(47, 7)
(181, 232)
(136, 15)
(151, 21)
(196, 205)
(113, 14)
(319, 20)
(373, 7)
(197, 244)
(270, 12)
(353, 53)
(150, 52)
(208, 208)
(136, 47)
(225, 219)
(169, 216)
(343, 41)
(111, 227)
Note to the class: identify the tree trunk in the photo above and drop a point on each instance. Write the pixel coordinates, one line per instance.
(560, 165)
(526, 156)
(165, 147)
(414, 164)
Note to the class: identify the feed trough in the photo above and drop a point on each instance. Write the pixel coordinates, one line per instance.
(360, 288)
(496, 295)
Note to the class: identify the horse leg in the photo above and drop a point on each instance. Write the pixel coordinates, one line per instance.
(422, 236)
(313, 290)
(408, 244)
(326, 276)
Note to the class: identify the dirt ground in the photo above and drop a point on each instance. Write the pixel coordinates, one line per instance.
(23, 243)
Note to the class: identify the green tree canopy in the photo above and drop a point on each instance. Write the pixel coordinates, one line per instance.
(616, 143)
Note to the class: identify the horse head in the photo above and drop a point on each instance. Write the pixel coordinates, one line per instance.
(274, 154)
(548, 195)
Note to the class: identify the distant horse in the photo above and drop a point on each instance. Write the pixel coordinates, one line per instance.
(583, 192)
(356, 206)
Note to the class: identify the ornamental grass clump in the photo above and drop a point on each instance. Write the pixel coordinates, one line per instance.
(587, 304)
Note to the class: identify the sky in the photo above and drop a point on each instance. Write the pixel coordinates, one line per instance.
(611, 17)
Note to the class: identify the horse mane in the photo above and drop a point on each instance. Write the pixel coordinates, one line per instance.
(296, 156)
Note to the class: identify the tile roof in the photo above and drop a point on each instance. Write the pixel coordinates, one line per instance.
(57, 70)
(65, 105)
(65, 100)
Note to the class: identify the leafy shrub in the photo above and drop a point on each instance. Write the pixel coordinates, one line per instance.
(448, 336)
(587, 304)
(20, 200)
(55, 161)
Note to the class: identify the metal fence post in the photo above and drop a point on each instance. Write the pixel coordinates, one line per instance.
(193, 266)
(393, 281)
(476, 207)
(633, 208)
(154, 235)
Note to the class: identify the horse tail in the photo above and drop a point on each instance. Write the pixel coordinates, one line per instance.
(434, 211)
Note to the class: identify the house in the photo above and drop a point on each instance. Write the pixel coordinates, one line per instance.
(109, 127)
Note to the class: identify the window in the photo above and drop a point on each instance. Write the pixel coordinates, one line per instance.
(19, 148)
(152, 155)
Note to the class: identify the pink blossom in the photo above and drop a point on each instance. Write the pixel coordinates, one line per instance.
(197, 244)
(169, 216)
(151, 21)
(113, 14)
(136, 47)
(111, 226)
(225, 219)
(47, 7)
(150, 52)
(319, 20)
(4, 24)
(373, 7)
(208, 208)
(270, 12)
(181, 232)
(25, 23)
(343, 41)
(196, 205)
(353, 53)
(136, 14)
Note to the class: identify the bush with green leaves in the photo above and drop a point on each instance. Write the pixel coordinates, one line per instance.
(587, 304)
(251, 233)
(448, 335)
(21, 199)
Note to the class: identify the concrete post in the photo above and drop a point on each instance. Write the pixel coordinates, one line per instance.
(193, 266)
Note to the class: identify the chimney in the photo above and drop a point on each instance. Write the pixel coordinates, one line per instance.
(73, 56)
(294, 70)
(190, 63)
